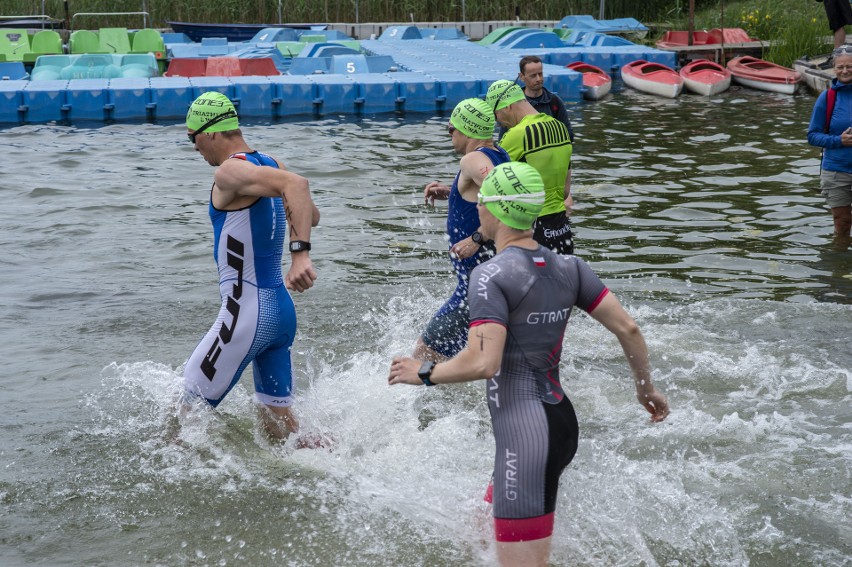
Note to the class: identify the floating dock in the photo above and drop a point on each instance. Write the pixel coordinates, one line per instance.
(431, 76)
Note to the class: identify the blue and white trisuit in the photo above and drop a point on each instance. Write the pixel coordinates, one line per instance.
(257, 320)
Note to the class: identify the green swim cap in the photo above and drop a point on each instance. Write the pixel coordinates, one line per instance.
(209, 106)
(514, 193)
(503, 93)
(473, 118)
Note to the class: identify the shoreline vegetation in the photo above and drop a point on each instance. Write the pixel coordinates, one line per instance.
(794, 27)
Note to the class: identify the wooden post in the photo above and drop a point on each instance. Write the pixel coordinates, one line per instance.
(722, 24)
(689, 40)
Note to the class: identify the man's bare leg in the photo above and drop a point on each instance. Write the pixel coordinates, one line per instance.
(839, 37)
(842, 226)
(279, 422)
(524, 553)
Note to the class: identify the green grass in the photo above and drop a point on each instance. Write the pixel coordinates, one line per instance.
(259, 11)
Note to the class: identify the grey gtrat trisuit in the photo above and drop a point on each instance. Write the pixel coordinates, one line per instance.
(531, 293)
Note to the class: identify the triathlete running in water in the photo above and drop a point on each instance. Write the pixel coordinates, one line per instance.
(250, 202)
(543, 142)
(471, 130)
(520, 302)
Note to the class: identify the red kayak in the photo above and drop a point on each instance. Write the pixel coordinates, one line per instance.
(759, 74)
(652, 78)
(596, 81)
(681, 39)
(705, 77)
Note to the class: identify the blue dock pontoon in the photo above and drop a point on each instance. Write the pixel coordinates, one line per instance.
(406, 69)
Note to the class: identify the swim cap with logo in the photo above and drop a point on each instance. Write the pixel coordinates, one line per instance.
(514, 193)
(473, 118)
(209, 106)
(502, 93)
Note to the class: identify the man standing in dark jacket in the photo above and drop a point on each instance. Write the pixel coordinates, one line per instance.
(532, 75)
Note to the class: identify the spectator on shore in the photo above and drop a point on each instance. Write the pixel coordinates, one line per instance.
(839, 13)
(830, 130)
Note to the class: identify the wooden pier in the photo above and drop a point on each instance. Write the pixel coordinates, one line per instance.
(719, 52)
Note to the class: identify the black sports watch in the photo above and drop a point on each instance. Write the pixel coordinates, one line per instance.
(299, 246)
(425, 372)
(477, 237)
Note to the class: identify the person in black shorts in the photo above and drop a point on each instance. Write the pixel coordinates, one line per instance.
(520, 302)
(839, 13)
(543, 142)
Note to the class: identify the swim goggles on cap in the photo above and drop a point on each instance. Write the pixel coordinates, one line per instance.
(211, 122)
(501, 95)
(530, 198)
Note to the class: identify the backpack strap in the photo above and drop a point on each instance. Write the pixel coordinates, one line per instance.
(830, 98)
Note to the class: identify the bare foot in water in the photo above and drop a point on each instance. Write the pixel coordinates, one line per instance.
(314, 441)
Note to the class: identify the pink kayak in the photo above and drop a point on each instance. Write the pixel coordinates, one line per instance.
(652, 78)
(705, 77)
(596, 81)
(759, 74)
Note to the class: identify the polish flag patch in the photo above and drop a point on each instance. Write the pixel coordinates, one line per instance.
(539, 261)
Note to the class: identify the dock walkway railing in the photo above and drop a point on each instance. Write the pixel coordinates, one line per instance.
(145, 16)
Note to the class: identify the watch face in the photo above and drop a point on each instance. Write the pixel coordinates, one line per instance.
(299, 246)
(425, 369)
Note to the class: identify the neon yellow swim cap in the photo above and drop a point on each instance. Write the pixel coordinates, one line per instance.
(211, 106)
(514, 193)
(502, 93)
(473, 118)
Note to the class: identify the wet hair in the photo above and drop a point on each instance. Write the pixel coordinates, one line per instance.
(526, 60)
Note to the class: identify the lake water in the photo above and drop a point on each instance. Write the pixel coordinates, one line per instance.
(701, 215)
